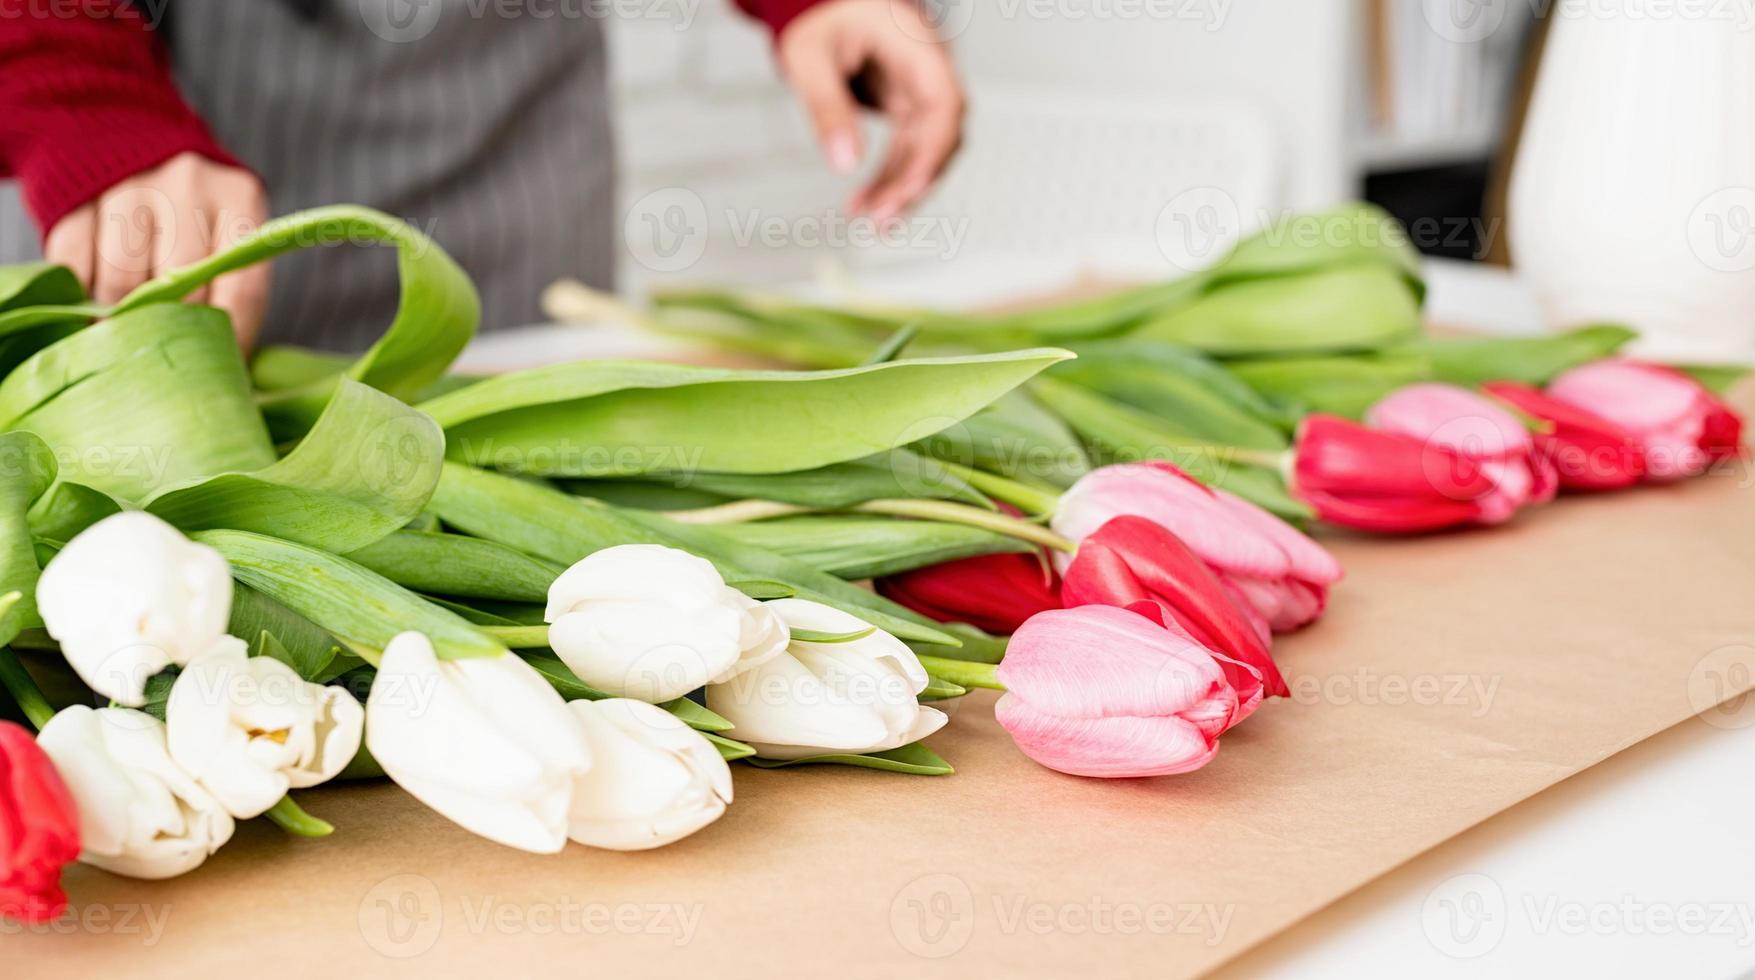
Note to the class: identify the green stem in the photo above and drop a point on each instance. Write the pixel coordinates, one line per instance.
(297, 822)
(518, 637)
(963, 673)
(736, 512)
(24, 690)
(955, 513)
(1031, 500)
(891, 348)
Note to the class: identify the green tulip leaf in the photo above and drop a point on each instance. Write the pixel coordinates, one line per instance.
(618, 418)
(27, 469)
(1471, 361)
(1362, 306)
(153, 398)
(542, 521)
(365, 469)
(355, 605)
(729, 749)
(914, 759)
(458, 565)
(299, 643)
(859, 547)
(435, 317)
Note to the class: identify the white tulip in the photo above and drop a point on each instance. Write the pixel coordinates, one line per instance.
(653, 780)
(250, 728)
(130, 596)
(654, 623)
(139, 814)
(483, 740)
(853, 697)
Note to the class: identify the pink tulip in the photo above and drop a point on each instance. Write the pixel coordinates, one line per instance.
(1682, 425)
(1479, 430)
(1277, 574)
(1101, 691)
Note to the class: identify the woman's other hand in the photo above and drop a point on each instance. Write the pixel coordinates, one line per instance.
(904, 69)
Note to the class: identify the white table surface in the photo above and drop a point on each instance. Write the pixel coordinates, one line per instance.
(1642, 866)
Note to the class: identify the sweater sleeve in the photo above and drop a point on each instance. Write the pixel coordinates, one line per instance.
(776, 13)
(87, 100)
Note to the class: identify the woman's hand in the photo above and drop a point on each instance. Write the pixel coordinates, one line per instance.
(177, 213)
(905, 70)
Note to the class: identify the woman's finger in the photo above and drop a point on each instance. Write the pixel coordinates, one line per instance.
(73, 242)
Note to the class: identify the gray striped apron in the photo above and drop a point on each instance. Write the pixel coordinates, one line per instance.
(486, 127)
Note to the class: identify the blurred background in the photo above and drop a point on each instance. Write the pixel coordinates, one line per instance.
(1107, 139)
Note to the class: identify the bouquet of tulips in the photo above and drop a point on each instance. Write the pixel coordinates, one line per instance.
(553, 605)
(223, 584)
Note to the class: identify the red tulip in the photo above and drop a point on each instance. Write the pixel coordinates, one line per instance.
(39, 829)
(1588, 451)
(1099, 691)
(1682, 426)
(1466, 423)
(1139, 564)
(995, 593)
(1278, 575)
(1381, 481)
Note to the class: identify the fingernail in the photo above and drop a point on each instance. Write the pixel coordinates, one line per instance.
(842, 151)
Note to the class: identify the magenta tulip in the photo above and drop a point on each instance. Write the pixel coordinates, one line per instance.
(1479, 430)
(1682, 426)
(1277, 574)
(1101, 691)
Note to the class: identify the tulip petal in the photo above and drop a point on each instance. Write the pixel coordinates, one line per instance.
(1131, 558)
(1452, 417)
(1165, 495)
(1113, 747)
(994, 593)
(1098, 661)
(1587, 451)
(1340, 458)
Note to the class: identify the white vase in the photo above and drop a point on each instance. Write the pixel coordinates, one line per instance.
(1633, 195)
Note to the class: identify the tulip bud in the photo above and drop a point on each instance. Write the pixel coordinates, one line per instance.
(130, 596)
(140, 814)
(1136, 564)
(1681, 425)
(1280, 576)
(994, 593)
(654, 623)
(39, 829)
(1588, 451)
(856, 696)
(1361, 478)
(653, 779)
(484, 741)
(1465, 423)
(1101, 691)
(250, 728)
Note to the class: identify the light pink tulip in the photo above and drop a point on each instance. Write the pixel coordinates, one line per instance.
(1472, 426)
(1682, 425)
(1101, 691)
(1276, 573)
